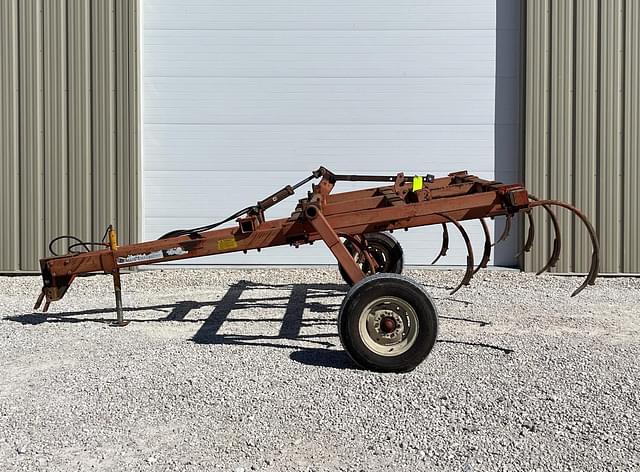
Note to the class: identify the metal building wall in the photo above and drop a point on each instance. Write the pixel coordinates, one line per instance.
(582, 126)
(69, 117)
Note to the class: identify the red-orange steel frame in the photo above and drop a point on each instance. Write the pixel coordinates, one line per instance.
(406, 203)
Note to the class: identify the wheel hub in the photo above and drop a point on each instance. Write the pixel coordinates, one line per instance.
(388, 324)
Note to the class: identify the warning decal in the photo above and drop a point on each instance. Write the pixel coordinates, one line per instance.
(226, 244)
(417, 183)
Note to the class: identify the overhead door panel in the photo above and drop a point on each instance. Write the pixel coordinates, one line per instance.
(243, 97)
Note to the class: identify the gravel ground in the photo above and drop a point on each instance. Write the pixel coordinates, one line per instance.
(243, 370)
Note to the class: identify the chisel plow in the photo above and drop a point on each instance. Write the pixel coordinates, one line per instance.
(387, 322)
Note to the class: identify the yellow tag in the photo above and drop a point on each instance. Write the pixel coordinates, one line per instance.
(417, 183)
(225, 244)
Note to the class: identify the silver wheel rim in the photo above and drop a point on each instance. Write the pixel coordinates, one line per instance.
(388, 326)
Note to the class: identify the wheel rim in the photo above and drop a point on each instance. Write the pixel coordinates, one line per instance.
(379, 254)
(388, 326)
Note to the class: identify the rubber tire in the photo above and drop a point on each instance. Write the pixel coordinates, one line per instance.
(363, 293)
(395, 255)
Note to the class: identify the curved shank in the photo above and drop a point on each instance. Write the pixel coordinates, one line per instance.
(595, 256)
(445, 243)
(531, 234)
(469, 272)
(506, 231)
(486, 254)
(557, 242)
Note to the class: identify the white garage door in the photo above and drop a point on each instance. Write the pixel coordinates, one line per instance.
(243, 97)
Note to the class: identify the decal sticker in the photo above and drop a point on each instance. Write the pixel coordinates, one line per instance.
(417, 183)
(175, 251)
(133, 258)
(226, 244)
(151, 256)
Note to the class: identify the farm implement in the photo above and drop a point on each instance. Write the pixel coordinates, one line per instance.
(387, 322)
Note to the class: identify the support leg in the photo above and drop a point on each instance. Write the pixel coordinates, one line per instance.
(117, 287)
(331, 239)
(118, 291)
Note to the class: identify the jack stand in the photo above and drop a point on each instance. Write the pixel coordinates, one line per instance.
(118, 291)
(117, 287)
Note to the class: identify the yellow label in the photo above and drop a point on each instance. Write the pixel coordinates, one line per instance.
(113, 239)
(226, 244)
(417, 183)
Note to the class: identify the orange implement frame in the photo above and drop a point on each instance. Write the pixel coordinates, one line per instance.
(405, 202)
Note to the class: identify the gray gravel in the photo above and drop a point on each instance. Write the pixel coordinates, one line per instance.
(208, 377)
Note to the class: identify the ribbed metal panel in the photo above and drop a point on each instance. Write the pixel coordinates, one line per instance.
(79, 116)
(68, 124)
(538, 63)
(582, 75)
(586, 126)
(561, 119)
(127, 175)
(611, 125)
(631, 144)
(31, 131)
(9, 166)
(55, 120)
(103, 113)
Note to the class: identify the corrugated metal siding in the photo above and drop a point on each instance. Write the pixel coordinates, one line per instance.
(582, 126)
(586, 128)
(631, 144)
(9, 177)
(68, 124)
(537, 67)
(610, 132)
(30, 130)
(79, 116)
(126, 72)
(561, 112)
(54, 56)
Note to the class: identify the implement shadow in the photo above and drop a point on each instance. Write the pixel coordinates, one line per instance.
(317, 349)
(302, 297)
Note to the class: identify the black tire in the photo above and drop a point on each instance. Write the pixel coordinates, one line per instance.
(370, 338)
(386, 251)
